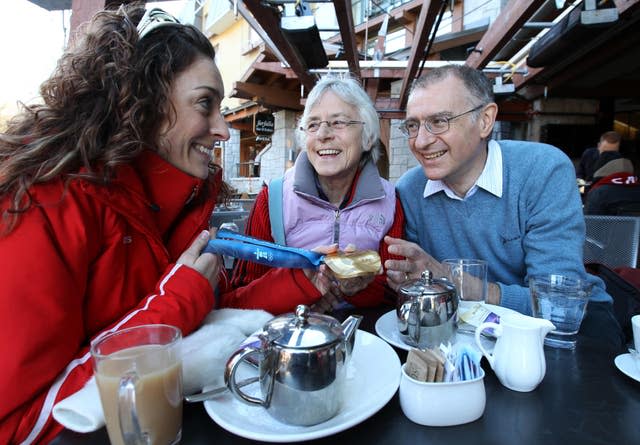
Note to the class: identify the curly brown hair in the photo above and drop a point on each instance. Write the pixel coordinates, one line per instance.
(102, 106)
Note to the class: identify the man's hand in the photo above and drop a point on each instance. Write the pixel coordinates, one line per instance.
(416, 261)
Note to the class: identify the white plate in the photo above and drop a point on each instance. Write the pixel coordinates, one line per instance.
(387, 328)
(626, 364)
(373, 376)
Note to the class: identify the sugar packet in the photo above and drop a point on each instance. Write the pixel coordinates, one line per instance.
(425, 365)
(475, 316)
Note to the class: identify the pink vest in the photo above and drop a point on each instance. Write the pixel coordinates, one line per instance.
(310, 221)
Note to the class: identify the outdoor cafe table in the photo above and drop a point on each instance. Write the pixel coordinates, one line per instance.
(583, 399)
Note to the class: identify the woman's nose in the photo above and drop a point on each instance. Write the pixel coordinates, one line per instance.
(219, 127)
(324, 131)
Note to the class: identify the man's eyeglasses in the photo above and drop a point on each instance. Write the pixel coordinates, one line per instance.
(434, 124)
(337, 124)
(154, 18)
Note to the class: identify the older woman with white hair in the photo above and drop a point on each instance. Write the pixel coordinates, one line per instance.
(332, 199)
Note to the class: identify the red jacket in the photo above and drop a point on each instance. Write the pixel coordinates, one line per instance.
(86, 259)
(279, 290)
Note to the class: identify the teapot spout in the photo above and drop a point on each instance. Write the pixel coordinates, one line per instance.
(349, 328)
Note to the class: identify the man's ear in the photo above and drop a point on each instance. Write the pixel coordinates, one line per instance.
(488, 119)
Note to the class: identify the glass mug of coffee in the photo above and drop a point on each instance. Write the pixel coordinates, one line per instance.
(139, 375)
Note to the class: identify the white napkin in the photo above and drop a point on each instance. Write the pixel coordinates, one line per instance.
(82, 411)
(204, 356)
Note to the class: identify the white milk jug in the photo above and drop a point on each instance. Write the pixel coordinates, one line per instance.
(518, 357)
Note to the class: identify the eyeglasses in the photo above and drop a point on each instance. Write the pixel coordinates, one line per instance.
(337, 124)
(433, 124)
(154, 18)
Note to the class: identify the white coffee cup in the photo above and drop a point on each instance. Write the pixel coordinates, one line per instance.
(635, 324)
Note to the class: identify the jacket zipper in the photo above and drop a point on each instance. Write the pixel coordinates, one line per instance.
(336, 227)
(193, 194)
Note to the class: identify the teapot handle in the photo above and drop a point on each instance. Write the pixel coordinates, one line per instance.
(497, 332)
(230, 376)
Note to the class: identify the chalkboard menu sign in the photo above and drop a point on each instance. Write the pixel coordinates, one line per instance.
(263, 123)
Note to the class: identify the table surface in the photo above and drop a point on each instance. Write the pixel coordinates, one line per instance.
(583, 399)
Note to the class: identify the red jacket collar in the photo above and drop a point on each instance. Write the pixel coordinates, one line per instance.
(166, 187)
(620, 178)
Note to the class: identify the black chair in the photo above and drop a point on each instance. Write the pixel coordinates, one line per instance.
(612, 240)
(629, 209)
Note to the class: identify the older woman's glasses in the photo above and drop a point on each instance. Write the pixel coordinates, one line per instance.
(337, 124)
(154, 18)
(435, 124)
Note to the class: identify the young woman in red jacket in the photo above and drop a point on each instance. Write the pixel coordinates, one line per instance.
(106, 189)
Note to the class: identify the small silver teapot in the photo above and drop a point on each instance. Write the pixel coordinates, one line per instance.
(427, 311)
(302, 360)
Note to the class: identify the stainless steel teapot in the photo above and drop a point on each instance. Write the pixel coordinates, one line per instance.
(427, 311)
(302, 361)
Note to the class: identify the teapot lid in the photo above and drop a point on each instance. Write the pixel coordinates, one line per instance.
(426, 285)
(304, 329)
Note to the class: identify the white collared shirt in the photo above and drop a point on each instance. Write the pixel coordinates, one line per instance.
(490, 179)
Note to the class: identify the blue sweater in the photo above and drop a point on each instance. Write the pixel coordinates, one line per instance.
(536, 227)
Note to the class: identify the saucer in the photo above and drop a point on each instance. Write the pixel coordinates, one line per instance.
(626, 364)
(373, 376)
(387, 329)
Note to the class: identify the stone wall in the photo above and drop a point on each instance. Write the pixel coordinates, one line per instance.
(400, 157)
(231, 154)
(273, 162)
(560, 111)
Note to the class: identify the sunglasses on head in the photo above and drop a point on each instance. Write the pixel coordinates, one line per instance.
(154, 18)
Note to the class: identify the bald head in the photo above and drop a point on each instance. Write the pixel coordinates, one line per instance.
(609, 141)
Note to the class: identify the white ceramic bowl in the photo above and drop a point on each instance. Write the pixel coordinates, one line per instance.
(442, 404)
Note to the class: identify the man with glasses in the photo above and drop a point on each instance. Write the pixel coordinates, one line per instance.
(511, 203)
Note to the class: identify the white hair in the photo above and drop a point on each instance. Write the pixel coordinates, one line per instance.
(348, 89)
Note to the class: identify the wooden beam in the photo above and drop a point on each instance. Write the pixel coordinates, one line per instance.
(624, 5)
(382, 73)
(244, 113)
(531, 73)
(423, 29)
(407, 11)
(365, 73)
(391, 114)
(345, 23)
(274, 67)
(531, 91)
(243, 126)
(371, 87)
(387, 103)
(401, 15)
(452, 40)
(612, 43)
(514, 111)
(509, 21)
(268, 18)
(267, 96)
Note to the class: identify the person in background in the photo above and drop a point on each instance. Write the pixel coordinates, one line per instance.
(615, 190)
(608, 149)
(106, 189)
(512, 203)
(333, 199)
(595, 157)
